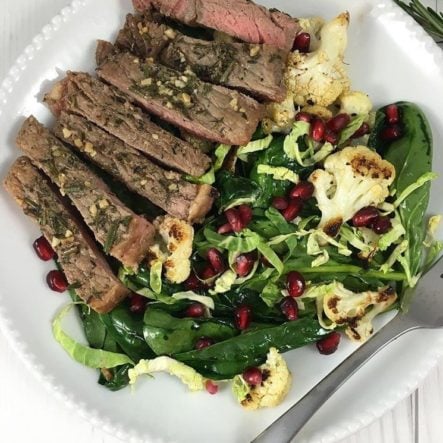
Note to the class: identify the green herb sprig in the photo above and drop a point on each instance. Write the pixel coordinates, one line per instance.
(431, 20)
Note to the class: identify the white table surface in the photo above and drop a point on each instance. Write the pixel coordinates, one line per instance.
(29, 413)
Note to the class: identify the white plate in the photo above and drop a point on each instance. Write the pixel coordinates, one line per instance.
(389, 57)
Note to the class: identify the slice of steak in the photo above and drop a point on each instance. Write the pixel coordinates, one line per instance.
(182, 99)
(104, 105)
(84, 265)
(166, 189)
(123, 234)
(255, 69)
(240, 18)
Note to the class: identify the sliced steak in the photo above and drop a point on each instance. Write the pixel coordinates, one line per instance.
(83, 264)
(82, 94)
(240, 18)
(205, 110)
(122, 233)
(166, 189)
(256, 69)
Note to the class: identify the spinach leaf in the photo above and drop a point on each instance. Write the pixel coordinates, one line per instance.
(166, 334)
(119, 378)
(231, 357)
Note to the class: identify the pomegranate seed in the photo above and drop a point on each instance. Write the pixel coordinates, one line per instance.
(295, 284)
(280, 203)
(234, 219)
(252, 376)
(242, 317)
(318, 130)
(294, 207)
(361, 131)
(193, 283)
(289, 308)
(244, 264)
(303, 117)
(381, 225)
(339, 122)
(57, 281)
(392, 114)
(225, 229)
(43, 249)
(365, 216)
(211, 387)
(245, 214)
(216, 260)
(204, 342)
(302, 190)
(391, 133)
(302, 42)
(207, 273)
(329, 344)
(137, 304)
(331, 136)
(195, 310)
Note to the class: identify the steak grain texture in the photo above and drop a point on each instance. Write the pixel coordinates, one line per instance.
(254, 68)
(123, 234)
(83, 264)
(82, 94)
(166, 189)
(242, 19)
(205, 110)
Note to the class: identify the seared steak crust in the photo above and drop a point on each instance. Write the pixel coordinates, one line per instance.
(166, 189)
(83, 264)
(121, 232)
(82, 94)
(205, 110)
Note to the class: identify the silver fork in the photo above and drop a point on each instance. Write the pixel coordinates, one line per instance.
(426, 311)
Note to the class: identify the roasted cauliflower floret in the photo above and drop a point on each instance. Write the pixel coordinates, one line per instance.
(313, 26)
(355, 103)
(173, 248)
(271, 392)
(356, 310)
(280, 116)
(352, 178)
(319, 77)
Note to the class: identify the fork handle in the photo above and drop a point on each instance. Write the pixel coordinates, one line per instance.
(286, 427)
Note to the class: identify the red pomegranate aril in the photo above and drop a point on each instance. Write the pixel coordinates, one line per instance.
(280, 203)
(302, 42)
(192, 283)
(225, 229)
(302, 190)
(289, 308)
(211, 387)
(43, 249)
(365, 216)
(329, 344)
(381, 225)
(361, 131)
(338, 123)
(207, 272)
(216, 260)
(137, 304)
(252, 376)
(57, 281)
(303, 117)
(295, 284)
(203, 343)
(195, 310)
(242, 317)
(391, 133)
(318, 130)
(245, 214)
(294, 207)
(392, 114)
(331, 136)
(244, 264)
(233, 217)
